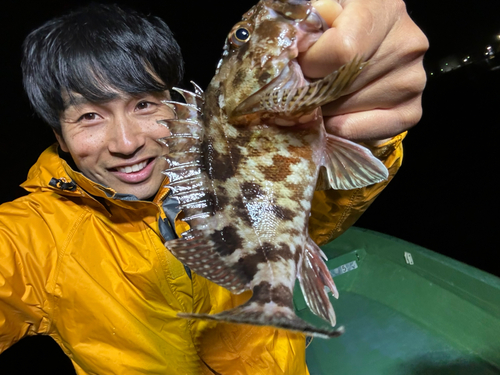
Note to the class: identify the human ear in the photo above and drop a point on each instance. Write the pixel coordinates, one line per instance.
(61, 141)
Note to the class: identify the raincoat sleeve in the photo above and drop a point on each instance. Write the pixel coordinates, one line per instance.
(22, 282)
(334, 211)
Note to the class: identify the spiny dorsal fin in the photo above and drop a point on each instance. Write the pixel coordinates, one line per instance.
(183, 128)
(187, 177)
(183, 111)
(197, 98)
(192, 187)
(190, 184)
(179, 160)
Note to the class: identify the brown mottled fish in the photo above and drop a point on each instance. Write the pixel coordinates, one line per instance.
(244, 161)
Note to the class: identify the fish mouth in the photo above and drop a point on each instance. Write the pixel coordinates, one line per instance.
(290, 77)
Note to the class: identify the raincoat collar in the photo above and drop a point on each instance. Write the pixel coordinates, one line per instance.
(51, 172)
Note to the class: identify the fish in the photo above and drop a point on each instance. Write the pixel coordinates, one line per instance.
(244, 159)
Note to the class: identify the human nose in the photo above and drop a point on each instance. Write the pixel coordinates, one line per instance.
(126, 137)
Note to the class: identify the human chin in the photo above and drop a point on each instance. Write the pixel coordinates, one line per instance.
(141, 191)
(141, 179)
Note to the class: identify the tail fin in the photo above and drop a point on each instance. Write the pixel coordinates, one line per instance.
(314, 275)
(267, 315)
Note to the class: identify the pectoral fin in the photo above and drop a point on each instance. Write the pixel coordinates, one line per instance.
(293, 102)
(350, 166)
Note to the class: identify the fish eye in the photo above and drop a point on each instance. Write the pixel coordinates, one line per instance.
(240, 35)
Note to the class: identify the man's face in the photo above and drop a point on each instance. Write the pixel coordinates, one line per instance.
(114, 143)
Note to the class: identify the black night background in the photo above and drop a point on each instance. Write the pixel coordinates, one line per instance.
(444, 197)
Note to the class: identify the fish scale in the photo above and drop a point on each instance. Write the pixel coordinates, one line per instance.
(245, 183)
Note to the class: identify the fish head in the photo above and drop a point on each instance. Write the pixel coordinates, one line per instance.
(260, 55)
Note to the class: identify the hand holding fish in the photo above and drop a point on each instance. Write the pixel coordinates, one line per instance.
(385, 99)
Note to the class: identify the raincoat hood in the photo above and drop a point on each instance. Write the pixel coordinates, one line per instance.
(53, 173)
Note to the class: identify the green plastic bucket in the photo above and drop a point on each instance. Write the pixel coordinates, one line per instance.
(406, 310)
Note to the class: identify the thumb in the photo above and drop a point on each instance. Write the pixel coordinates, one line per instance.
(353, 32)
(329, 10)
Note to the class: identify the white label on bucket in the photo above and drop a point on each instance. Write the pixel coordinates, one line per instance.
(408, 258)
(344, 268)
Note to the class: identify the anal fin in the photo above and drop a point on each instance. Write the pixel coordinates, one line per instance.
(313, 277)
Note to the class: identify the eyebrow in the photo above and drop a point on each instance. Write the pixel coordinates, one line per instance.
(75, 101)
(79, 100)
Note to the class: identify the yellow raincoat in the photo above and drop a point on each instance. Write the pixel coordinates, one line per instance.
(92, 272)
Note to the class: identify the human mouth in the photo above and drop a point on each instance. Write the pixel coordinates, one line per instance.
(133, 168)
(134, 173)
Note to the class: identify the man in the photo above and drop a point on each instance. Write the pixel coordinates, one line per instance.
(82, 256)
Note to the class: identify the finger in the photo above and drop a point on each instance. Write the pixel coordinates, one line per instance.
(375, 124)
(329, 10)
(386, 91)
(357, 30)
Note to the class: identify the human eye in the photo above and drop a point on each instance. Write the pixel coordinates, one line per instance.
(89, 117)
(145, 105)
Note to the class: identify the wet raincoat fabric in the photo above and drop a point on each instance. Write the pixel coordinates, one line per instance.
(91, 271)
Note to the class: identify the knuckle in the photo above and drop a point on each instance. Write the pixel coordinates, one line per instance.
(413, 80)
(353, 128)
(400, 7)
(412, 39)
(410, 114)
(415, 43)
(420, 41)
(346, 48)
(340, 126)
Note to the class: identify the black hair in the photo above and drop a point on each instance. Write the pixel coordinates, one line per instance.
(96, 51)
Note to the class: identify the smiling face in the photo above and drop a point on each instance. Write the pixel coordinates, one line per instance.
(114, 143)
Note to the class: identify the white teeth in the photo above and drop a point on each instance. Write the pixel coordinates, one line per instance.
(133, 168)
